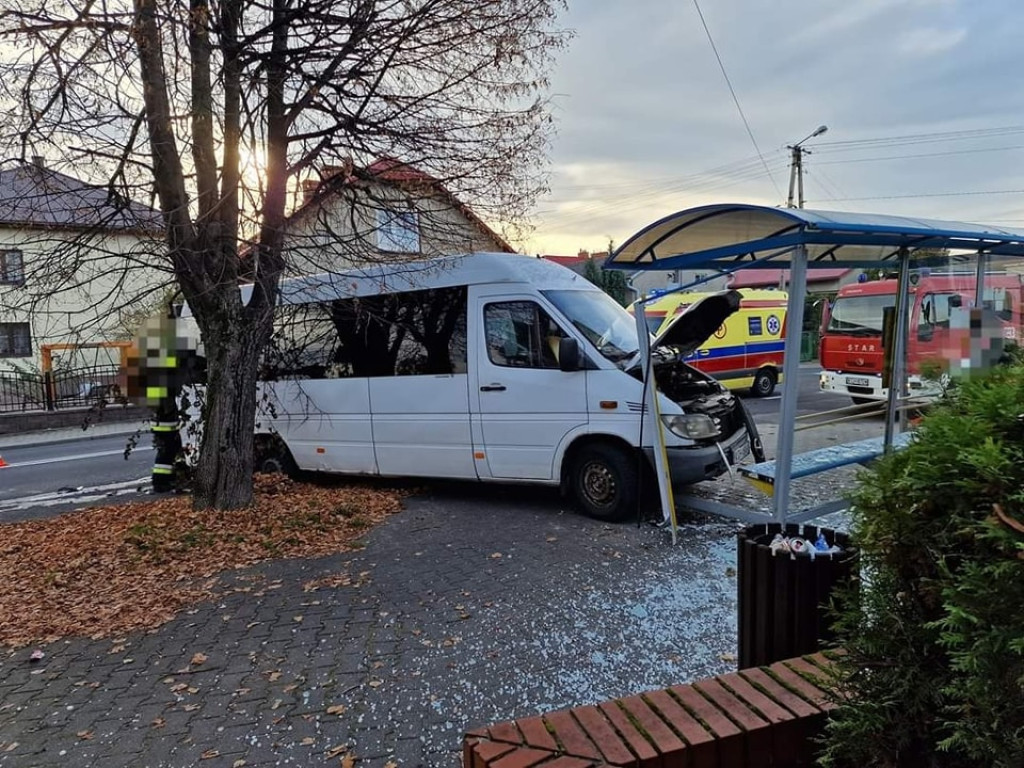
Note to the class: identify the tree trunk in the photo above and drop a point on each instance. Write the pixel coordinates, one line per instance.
(224, 475)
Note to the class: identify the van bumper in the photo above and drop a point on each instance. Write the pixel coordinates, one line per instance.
(692, 464)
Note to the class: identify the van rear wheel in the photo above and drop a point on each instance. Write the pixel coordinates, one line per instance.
(764, 383)
(273, 456)
(605, 481)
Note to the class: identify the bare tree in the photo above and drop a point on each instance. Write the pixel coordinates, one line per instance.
(218, 108)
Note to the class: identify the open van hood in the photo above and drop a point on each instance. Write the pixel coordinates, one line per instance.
(697, 322)
(691, 328)
(695, 325)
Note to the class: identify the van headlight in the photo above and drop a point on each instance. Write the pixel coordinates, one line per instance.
(695, 426)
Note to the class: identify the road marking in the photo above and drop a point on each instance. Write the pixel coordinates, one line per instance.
(77, 457)
(80, 495)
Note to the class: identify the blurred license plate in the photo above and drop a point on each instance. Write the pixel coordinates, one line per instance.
(857, 381)
(740, 450)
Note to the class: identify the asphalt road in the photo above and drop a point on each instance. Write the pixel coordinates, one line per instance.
(84, 471)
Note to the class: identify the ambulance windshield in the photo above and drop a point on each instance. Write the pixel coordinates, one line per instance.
(597, 316)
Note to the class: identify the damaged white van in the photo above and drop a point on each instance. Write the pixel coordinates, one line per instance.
(494, 367)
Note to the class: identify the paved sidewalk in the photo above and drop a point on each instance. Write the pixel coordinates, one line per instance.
(40, 437)
(474, 605)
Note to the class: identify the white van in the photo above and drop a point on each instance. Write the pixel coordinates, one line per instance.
(490, 367)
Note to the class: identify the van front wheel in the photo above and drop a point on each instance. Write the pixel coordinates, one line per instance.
(764, 383)
(605, 481)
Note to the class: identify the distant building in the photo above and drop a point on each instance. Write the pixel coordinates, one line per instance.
(579, 262)
(826, 280)
(74, 258)
(386, 212)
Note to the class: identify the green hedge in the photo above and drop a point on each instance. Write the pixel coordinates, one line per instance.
(934, 674)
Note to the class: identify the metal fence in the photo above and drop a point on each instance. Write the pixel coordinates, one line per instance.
(69, 388)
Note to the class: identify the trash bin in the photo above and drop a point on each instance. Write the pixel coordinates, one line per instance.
(783, 592)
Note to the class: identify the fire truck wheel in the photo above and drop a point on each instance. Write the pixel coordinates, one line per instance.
(605, 481)
(861, 400)
(764, 383)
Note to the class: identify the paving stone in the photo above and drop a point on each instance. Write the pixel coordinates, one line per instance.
(479, 605)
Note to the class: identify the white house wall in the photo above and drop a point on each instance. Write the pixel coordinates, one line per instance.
(342, 233)
(88, 296)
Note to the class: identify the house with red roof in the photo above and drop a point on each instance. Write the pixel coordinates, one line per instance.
(385, 212)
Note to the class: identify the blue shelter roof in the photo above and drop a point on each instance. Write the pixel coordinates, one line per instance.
(734, 235)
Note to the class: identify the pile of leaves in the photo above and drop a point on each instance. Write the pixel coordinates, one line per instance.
(934, 674)
(109, 570)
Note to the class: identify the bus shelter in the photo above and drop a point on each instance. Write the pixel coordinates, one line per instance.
(727, 237)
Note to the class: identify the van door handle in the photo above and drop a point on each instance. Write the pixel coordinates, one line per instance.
(493, 388)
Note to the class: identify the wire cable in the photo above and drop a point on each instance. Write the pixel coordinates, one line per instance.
(736, 100)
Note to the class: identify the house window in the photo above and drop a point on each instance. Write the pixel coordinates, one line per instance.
(12, 268)
(398, 231)
(15, 340)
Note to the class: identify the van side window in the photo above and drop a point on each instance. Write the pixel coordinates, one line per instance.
(521, 335)
(404, 334)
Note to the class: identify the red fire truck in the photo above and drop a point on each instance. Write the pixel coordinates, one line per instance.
(851, 352)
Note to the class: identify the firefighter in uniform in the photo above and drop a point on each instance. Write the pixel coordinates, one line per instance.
(156, 376)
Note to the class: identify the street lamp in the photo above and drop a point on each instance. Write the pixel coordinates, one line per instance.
(796, 166)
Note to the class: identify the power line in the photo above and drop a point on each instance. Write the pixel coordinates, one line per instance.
(921, 155)
(918, 138)
(736, 100)
(935, 194)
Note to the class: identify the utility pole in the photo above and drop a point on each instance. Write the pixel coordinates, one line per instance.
(796, 167)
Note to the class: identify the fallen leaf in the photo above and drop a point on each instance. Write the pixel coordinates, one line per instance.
(179, 687)
(210, 754)
(158, 722)
(376, 683)
(336, 751)
(290, 688)
(274, 676)
(496, 556)
(297, 619)
(348, 761)
(199, 658)
(390, 764)
(337, 709)
(238, 763)
(84, 735)
(307, 741)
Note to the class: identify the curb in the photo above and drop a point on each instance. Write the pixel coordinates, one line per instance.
(69, 434)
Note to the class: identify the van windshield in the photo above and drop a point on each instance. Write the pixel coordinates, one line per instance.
(606, 325)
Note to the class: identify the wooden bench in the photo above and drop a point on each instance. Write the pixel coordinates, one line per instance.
(762, 475)
(764, 717)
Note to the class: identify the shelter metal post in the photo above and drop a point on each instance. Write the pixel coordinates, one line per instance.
(652, 415)
(979, 285)
(790, 381)
(898, 384)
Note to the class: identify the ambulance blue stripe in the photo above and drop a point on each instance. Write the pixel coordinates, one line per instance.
(753, 348)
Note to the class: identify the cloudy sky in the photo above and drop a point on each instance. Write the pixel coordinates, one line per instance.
(923, 99)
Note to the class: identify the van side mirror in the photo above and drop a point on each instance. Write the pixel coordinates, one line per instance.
(568, 355)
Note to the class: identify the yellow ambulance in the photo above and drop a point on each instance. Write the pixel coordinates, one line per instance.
(747, 349)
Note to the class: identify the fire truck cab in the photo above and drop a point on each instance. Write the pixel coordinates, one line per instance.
(939, 334)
